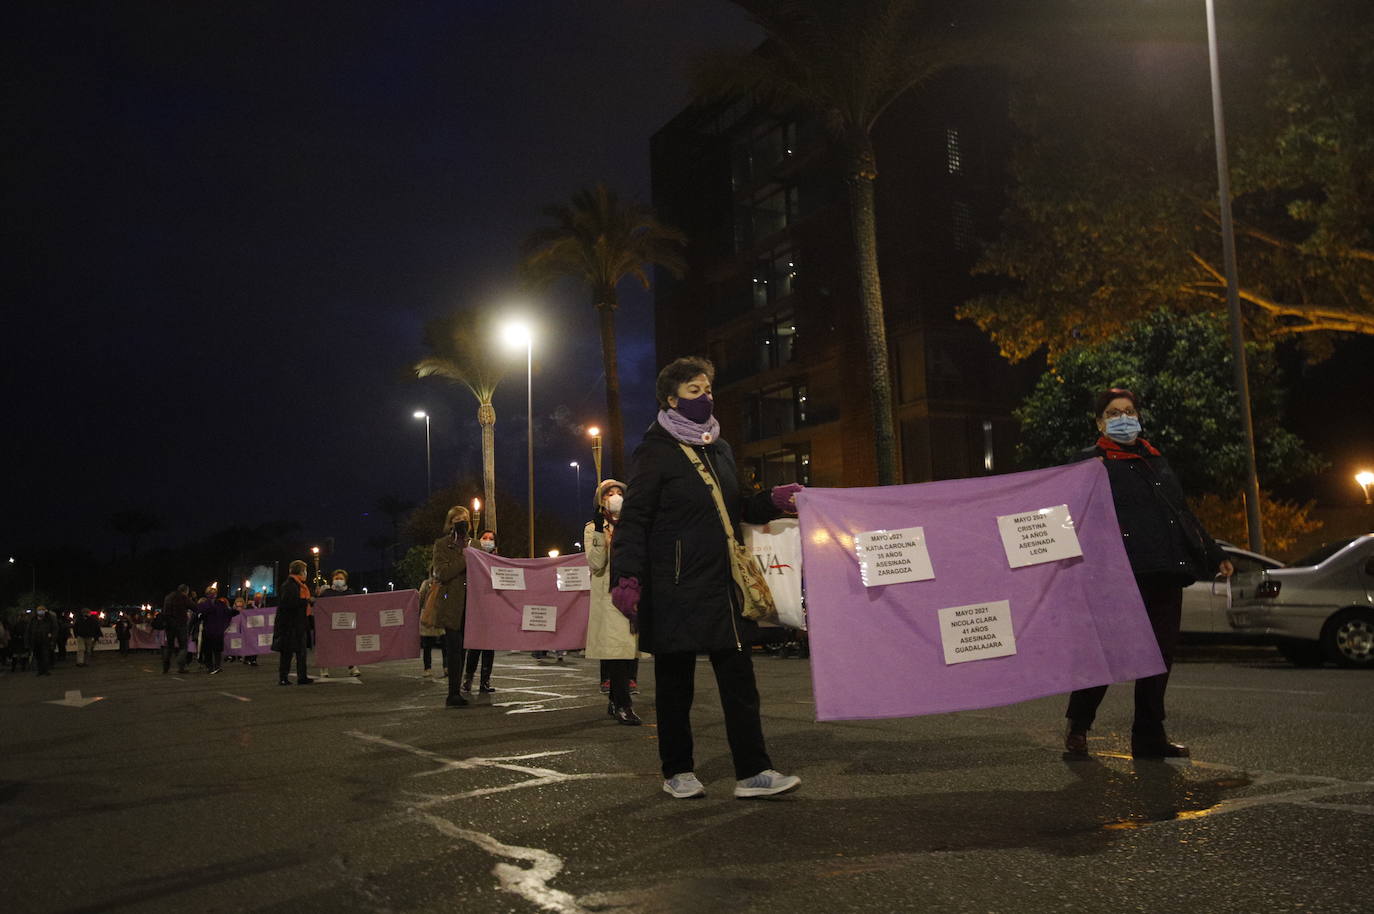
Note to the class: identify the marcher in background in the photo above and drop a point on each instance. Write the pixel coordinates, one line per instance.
(124, 630)
(64, 634)
(240, 606)
(42, 631)
(177, 608)
(88, 634)
(337, 587)
(288, 635)
(1168, 549)
(431, 636)
(450, 573)
(671, 576)
(487, 543)
(215, 615)
(609, 638)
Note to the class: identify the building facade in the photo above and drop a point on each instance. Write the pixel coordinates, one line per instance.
(771, 293)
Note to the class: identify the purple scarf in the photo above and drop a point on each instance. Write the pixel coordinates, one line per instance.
(687, 431)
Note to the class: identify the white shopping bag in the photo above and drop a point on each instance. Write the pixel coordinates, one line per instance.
(776, 546)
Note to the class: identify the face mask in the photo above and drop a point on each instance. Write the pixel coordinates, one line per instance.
(488, 545)
(42, 612)
(614, 503)
(698, 410)
(340, 584)
(460, 529)
(1123, 429)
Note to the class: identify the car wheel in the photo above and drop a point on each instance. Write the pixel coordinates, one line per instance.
(1302, 653)
(1348, 638)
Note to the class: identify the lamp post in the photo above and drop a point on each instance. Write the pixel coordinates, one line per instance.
(595, 434)
(1228, 253)
(1364, 478)
(577, 492)
(429, 474)
(515, 335)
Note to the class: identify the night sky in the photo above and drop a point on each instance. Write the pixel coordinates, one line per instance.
(226, 224)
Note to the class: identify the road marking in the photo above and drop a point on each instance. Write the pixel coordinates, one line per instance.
(239, 697)
(73, 699)
(1202, 688)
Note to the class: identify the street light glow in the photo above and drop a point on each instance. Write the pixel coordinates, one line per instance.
(421, 414)
(574, 464)
(553, 553)
(594, 431)
(516, 334)
(1364, 478)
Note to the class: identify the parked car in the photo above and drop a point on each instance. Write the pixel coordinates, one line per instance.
(1319, 608)
(1205, 603)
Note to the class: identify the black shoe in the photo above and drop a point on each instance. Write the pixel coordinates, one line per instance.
(1153, 748)
(610, 708)
(456, 701)
(1076, 743)
(486, 688)
(627, 716)
(467, 685)
(306, 681)
(216, 670)
(283, 682)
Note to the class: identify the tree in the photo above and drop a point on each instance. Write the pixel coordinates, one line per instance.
(395, 508)
(599, 241)
(384, 546)
(1113, 213)
(462, 351)
(1284, 521)
(134, 524)
(1180, 368)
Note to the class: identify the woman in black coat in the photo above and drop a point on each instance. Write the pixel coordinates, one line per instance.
(1168, 549)
(671, 577)
(290, 626)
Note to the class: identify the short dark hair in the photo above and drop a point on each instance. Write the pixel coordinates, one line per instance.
(679, 372)
(1104, 397)
(182, 588)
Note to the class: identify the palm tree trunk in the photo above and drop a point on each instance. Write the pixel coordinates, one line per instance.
(863, 221)
(486, 417)
(615, 423)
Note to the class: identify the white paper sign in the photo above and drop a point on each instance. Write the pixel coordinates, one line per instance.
(508, 579)
(344, 621)
(271, 618)
(1041, 535)
(368, 642)
(539, 619)
(264, 640)
(893, 556)
(977, 632)
(233, 628)
(392, 617)
(256, 621)
(575, 577)
(235, 643)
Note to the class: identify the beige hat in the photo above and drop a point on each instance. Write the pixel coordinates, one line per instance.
(601, 490)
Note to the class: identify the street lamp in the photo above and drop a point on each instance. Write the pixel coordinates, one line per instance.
(595, 434)
(553, 553)
(429, 474)
(33, 575)
(577, 492)
(517, 334)
(1364, 478)
(1228, 253)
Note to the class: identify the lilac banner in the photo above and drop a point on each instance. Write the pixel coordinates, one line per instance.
(969, 593)
(526, 604)
(250, 632)
(368, 628)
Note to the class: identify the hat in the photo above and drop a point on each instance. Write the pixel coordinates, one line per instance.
(603, 486)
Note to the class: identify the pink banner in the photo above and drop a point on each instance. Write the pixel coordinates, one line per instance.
(368, 628)
(250, 632)
(144, 638)
(526, 604)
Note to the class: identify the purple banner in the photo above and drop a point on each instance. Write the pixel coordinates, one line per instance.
(526, 604)
(367, 628)
(250, 632)
(969, 593)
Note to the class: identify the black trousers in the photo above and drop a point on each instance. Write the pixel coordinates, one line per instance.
(674, 684)
(620, 672)
(42, 656)
(1164, 605)
(213, 650)
(292, 645)
(173, 645)
(470, 664)
(453, 648)
(124, 646)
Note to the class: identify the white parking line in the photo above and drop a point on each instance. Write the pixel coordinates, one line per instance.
(1203, 688)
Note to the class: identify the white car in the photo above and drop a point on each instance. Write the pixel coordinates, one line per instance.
(1205, 603)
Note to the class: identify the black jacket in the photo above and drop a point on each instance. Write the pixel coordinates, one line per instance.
(670, 537)
(291, 609)
(88, 626)
(1162, 537)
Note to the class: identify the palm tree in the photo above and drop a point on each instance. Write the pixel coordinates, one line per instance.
(134, 524)
(462, 352)
(598, 240)
(846, 62)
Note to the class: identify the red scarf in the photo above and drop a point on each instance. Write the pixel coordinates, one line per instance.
(1116, 452)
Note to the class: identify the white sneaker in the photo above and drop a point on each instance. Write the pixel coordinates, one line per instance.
(354, 671)
(684, 786)
(324, 674)
(766, 784)
(429, 674)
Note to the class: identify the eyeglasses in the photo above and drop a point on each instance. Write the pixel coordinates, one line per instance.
(1114, 413)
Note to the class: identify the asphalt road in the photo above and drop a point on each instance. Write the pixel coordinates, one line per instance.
(230, 793)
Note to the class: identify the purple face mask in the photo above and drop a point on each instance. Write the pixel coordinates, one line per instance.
(698, 410)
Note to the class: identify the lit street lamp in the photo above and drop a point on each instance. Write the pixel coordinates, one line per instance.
(429, 475)
(1364, 478)
(595, 434)
(33, 575)
(577, 492)
(517, 334)
(553, 553)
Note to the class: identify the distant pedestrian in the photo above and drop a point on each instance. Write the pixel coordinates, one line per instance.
(39, 637)
(337, 587)
(288, 636)
(123, 632)
(88, 632)
(64, 634)
(177, 608)
(486, 541)
(215, 615)
(450, 572)
(609, 636)
(240, 605)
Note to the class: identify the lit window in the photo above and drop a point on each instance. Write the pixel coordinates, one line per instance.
(953, 160)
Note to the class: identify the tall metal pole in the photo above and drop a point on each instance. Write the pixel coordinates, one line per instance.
(529, 425)
(429, 471)
(1228, 252)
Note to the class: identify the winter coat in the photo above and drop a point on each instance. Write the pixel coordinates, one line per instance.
(291, 610)
(214, 617)
(451, 577)
(41, 629)
(608, 632)
(177, 608)
(88, 626)
(123, 630)
(670, 537)
(1163, 539)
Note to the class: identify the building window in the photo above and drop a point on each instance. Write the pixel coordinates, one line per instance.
(755, 158)
(775, 342)
(961, 228)
(988, 456)
(774, 277)
(775, 411)
(953, 160)
(790, 464)
(765, 215)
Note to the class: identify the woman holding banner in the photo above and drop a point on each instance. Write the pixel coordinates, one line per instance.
(609, 636)
(671, 578)
(486, 541)
(450, 573)
(1168, 549)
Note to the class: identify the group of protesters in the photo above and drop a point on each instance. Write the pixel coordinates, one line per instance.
(40, 637)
